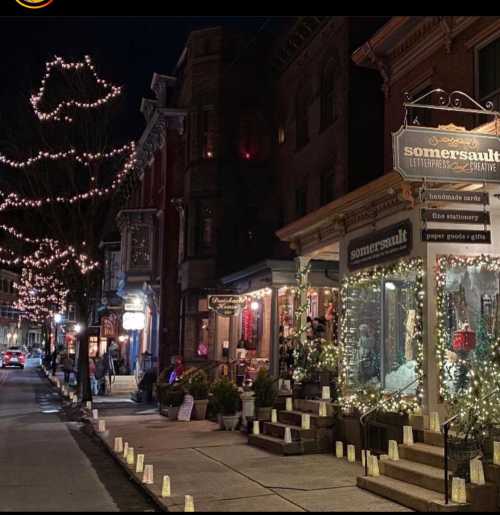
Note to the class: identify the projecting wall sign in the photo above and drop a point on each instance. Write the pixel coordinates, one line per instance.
(456, 216)
(389, 243)
(439, 155)
(456, 236)
(226, 305)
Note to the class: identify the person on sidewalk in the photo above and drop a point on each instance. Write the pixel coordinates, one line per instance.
(94, 385)
(54, 362)
(100, 376)
(67, 364)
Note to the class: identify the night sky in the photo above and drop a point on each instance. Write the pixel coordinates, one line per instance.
(126, 51)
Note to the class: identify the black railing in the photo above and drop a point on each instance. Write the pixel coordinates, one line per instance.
(446, 432)
(364, 417)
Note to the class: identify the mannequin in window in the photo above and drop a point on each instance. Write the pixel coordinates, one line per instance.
(366, 354)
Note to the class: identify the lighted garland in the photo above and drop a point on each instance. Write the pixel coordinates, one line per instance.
(444, 263)
(309, 354)
(366, 398)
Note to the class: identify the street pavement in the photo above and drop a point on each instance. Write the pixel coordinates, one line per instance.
(225, 474)
(45, 463)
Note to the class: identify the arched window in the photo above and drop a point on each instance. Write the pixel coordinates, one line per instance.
(328, 94)
(301, 116)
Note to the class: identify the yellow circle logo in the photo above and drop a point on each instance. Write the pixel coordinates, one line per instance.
(34, 4)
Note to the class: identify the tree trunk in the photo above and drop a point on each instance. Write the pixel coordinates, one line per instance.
(46, 338)
(83, 366)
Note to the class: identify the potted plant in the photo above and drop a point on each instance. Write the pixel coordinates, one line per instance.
(198, 388)
(227, 400)
(265, 394)
(171, 397)
(464, 444)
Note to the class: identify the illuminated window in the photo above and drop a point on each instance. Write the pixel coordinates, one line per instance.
(281, 135)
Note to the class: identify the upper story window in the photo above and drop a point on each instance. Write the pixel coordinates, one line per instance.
(327, 186)
(206, 229)
(328, 113)
(489, 73)
(281, 135)
(301, 117)
(301, 201)
(208, 133)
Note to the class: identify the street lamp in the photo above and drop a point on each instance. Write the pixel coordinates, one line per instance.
(77, 328)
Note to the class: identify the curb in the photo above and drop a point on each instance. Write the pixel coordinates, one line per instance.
(163, 503)
(91, 423)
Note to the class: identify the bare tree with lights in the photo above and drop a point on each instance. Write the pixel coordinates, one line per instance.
(57, 196)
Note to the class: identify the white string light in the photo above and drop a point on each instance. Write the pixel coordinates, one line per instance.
(57, 113)
(83, 158)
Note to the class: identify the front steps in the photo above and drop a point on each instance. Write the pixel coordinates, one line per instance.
(417, 479)
(317, 439)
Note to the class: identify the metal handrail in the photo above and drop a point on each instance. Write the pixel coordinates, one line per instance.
(446, 429)
(373, 410)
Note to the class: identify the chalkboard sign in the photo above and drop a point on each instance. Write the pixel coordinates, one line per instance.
(186, 409)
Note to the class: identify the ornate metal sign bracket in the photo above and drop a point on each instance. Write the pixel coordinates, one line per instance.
(453, 102)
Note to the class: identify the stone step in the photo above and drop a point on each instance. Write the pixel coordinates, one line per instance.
(435, 439)
(294, 418)
(278, 431)
(278, 445)
(415, 473)
(423, 453)
(412, 496)
(312, 406)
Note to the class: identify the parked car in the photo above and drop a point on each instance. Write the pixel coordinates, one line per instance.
(14, 357)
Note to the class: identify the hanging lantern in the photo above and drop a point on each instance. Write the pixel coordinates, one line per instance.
(464, 340)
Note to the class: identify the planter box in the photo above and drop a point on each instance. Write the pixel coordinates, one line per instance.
(200, 410)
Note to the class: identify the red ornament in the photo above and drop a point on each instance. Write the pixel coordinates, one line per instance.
(464, 340)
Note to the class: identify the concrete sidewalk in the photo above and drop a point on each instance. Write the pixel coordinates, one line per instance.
(223, 473)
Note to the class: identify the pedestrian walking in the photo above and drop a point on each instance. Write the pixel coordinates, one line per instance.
(54, 362)
(67, 364)
(94, 384)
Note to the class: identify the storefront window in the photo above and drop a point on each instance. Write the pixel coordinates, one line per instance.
(203, 338)
(468, 290)
(381, 346)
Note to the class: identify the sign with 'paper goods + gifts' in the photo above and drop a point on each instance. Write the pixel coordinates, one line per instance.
(443, 155)
(387, 244)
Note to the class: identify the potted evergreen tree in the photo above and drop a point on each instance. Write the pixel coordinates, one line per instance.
(265, 394)
(227, 401)
(198, 387)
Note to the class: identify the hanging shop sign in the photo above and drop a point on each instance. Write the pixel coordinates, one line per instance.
(134, 303)
(438, 155)
(456, 236)
(456, 197)
(133, 321)
(456, 216)
(389, 243)
(226, 305)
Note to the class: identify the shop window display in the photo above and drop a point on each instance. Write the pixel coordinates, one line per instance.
(381, 336)
(468, 318)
